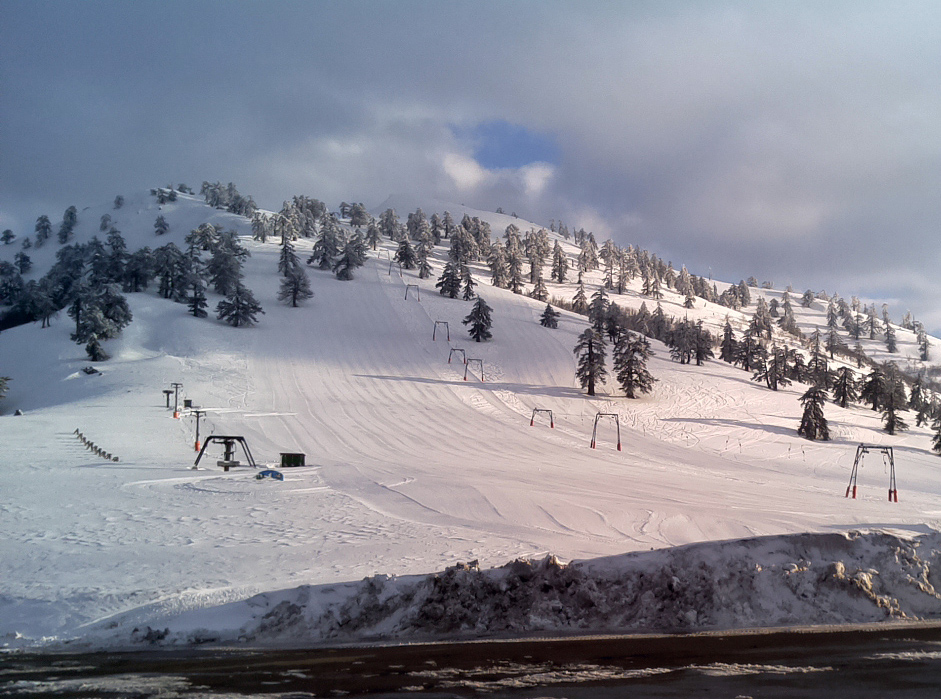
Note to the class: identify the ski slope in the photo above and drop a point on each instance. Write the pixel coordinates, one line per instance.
(411, 468)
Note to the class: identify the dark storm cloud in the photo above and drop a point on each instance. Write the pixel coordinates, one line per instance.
(798, 142)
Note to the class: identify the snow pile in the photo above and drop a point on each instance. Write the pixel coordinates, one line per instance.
(768, 581)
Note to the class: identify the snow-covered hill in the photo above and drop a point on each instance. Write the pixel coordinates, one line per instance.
(411, 468)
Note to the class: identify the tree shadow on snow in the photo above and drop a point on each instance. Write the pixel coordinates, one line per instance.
(774, 429)
(526, 389)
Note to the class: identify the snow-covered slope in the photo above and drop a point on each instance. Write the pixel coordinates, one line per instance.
(411, 467)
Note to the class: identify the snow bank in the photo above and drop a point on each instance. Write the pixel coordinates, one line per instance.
(800, 579)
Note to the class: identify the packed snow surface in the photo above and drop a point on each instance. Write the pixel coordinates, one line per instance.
(413, 468)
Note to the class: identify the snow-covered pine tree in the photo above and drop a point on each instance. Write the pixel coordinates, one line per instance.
(631, 352)
(497, 262)
(422, 253)
(22, 262)
(833, 317)
(205, 236)
(295, 286)
(117, 256)
(373, 236)
(598, 309)
(43, 230)
(161, 226)
(845, 390)
(813, 423)
(590, 350)
(405, 255)
(352, 256)
(560, 264)
(66, 228)
(327, 246)
(172, 271)
(923, 345)
(549, 317)
(580, 300)
(479, 321)
(514, 266)
(239, 307)
(449, 282)
(807, 298)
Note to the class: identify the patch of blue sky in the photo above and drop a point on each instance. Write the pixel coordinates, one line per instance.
(499, 144)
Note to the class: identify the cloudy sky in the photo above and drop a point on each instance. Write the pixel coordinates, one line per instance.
(799, 142)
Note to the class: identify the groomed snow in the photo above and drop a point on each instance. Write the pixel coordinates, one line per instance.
(411, 469)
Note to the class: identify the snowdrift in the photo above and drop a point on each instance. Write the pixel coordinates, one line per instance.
(799, 579)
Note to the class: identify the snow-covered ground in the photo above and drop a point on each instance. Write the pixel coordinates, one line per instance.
(412, 469)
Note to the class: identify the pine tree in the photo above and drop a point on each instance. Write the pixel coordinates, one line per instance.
(295, 286)
(66, 228)
(845, 390)
(580, 300)
(197, 300)
(287, 260)
(514, 267)
(95, 351)
(449, 282)
(773, 369)
(549, 317)
(7, 237)
(353, 256)
(631, 353)
(468, 283)
(893, 403)
(680, 340)
(560, 264)
(327, 246)
(598, 309)
(239, 307)
(891, 344)
(138, 271)
(832, 316)
(43, 230)
(498, 268)
(373, 236)
(540, 292)
(813, 423)
(161, 226)
(727, 348)
(405, 255)
(590, 350)
(479, 321)
(4, 386)
(935, 441)
(923, 345)
(874, 388)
